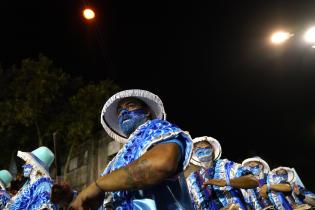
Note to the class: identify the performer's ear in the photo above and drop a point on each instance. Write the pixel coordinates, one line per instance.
(149, 113)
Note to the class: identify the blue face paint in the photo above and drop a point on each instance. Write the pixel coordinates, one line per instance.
(203, 154)
(129, 121)
(283, 176)
(27, 168)
(256, 170)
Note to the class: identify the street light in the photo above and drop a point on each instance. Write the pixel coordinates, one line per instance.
(88, 14)
(310, 35)
(280, 37)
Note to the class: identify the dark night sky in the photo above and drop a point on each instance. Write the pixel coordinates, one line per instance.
(210, 62)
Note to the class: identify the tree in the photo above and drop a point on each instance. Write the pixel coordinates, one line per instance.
(81, 118)
(35, 89)
(37, 99)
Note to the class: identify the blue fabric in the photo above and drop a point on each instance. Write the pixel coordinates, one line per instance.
(252, 197)
(171, 193)
(33, 196)
(4, 198)
(202, 198)
(225, 169)
(278, 198)
(179, 143)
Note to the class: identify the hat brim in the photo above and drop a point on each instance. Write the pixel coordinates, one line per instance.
(35, 162)
(213, 142)
(109, 115)
(290, 172)
(257, 159)
(2, 185)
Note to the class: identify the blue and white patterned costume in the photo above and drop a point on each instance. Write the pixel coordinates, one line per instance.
(33, 196)
(4, 198)
(278, 198)
(202, 198)
(252, 197)
(143, 138)
(225, 169)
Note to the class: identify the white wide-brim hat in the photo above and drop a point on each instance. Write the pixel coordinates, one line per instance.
(216, 146)
(257, 159)
(109, 115)
(40, 158)
(290, 172)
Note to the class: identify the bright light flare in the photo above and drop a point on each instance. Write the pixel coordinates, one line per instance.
(88, 14)
(310, 35)
(280, 37)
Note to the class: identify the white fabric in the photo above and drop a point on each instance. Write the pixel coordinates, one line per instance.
(109, 111)
(2, 186)
(27, 157)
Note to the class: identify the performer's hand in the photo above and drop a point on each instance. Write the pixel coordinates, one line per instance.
(217, 182)
(263, 191)
(90, 198)
(296, 189)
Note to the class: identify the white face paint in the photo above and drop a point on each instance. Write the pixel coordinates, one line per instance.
(27, 169)
(202, 156)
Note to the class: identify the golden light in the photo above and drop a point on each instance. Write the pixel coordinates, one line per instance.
(280, 37)
(310, 35)
(88, 14)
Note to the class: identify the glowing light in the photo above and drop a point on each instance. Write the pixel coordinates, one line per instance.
(280, 37)
(88, 14)
(310, 35)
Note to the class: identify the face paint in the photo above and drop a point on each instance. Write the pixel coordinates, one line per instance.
(203, 156)
(283, 176)
(27, 169)
(129, 121)
(256, 170)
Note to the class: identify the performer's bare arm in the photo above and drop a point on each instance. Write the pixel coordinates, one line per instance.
(245, 182)
(154, 166)
(275, 187)
(281, 187)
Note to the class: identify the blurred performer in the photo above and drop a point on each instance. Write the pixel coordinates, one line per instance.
(260, 170)
(278, 187)
(205, 151)
(35, 194)
(301, 195)
(296, 198)
(62, 195)
(5, 180)
(147, 172)
(227, 178)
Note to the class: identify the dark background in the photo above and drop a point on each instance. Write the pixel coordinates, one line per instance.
(211, 63)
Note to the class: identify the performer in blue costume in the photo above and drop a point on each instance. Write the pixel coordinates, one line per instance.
(286, 189)
(5, 181)
(304, 197)
(35, 194)
(260, 170)
(278, 187)
(227, 180)
(147, 172)
(205, 151)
